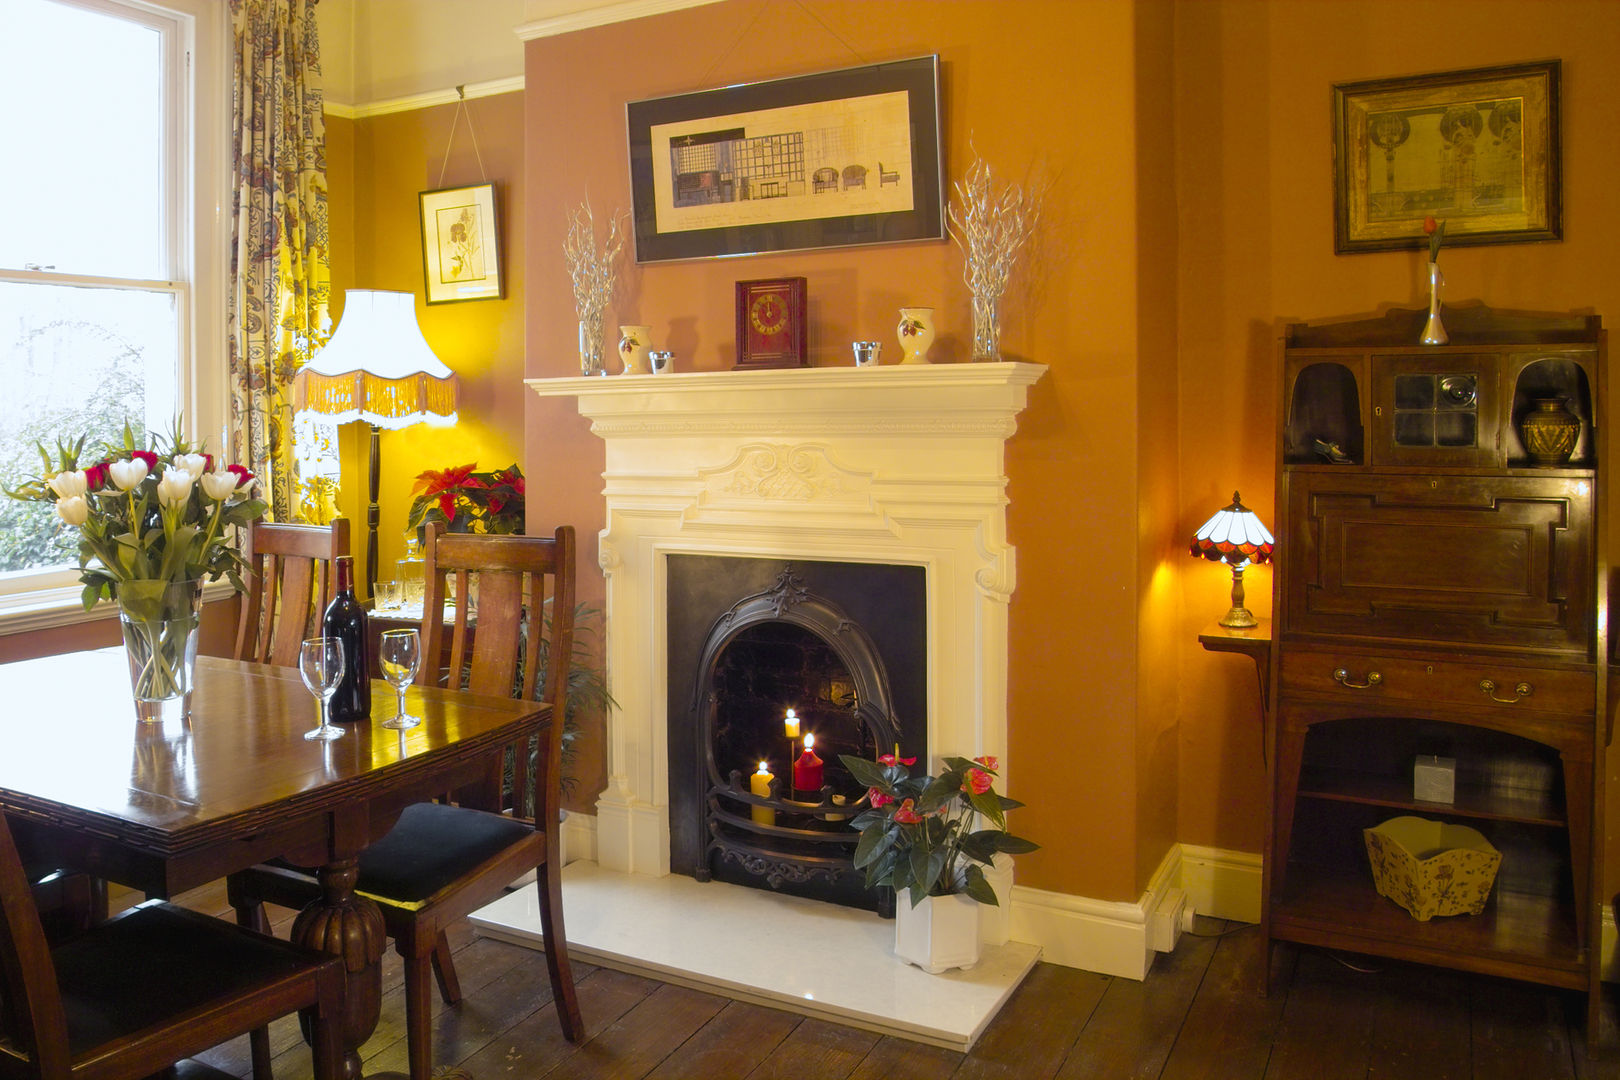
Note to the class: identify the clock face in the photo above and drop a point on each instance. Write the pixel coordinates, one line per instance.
(768, 314)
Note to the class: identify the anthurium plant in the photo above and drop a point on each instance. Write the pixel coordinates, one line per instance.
(148, 516)
(930, 834)
(468, 501)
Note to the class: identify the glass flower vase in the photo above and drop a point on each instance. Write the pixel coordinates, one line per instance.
(987, 328)
(159, 620)
(590, 345)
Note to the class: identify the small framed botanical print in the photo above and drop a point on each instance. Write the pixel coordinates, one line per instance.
(771, 331)
(461, 253)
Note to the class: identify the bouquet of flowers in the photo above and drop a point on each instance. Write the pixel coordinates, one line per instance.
(152, 526)
(467, 501)
(919, 833)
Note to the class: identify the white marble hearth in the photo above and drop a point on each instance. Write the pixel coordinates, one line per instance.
(752, 945)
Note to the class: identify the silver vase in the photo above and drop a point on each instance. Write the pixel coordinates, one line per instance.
(1434, 331)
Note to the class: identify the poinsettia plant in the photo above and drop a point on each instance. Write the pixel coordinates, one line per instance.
(148, 516)
(468, 501)
(929, 834)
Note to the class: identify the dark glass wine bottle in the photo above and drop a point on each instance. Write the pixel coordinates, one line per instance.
(345, 620)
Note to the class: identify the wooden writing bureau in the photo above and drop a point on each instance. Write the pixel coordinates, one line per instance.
(1438, 592)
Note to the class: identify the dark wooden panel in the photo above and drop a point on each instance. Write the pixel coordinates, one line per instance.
(1493, 561)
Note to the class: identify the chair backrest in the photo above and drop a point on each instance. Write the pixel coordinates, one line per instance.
(32, 1020)
(525, 600)
(289, 579)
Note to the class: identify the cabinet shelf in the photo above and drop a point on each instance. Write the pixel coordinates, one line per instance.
(1518, 935)
(1479, 803)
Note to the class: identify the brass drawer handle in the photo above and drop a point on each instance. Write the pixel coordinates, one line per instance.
(1523, 690)
(1340, 675)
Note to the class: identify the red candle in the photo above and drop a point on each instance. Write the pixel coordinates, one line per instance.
(807, 770)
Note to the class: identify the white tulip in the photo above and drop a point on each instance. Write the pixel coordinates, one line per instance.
(195, 464)
(175, 487)
(68, 484)
(219, 484)
(75, 509)
(127, 474)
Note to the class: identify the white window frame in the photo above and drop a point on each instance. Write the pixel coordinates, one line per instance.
(196, 63)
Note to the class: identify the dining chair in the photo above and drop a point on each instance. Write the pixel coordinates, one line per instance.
(290, 583)
(444, 860)
(149, 987)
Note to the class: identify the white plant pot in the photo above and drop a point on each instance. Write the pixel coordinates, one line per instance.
(938, 934)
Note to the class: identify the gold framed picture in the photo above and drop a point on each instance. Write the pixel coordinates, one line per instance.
(461, 245)
(1476, 149)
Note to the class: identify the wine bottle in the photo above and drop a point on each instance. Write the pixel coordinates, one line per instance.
(345, 620)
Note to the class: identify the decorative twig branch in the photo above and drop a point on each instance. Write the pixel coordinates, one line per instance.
(591, 268)
(991, 224)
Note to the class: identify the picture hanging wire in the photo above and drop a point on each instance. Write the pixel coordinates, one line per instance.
(461, 107)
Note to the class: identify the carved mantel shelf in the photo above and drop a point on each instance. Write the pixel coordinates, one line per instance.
(895, 465)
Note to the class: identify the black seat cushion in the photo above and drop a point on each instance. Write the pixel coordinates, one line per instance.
(431, 846)
(156, 961)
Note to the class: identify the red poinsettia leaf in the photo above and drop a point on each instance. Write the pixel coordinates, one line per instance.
(447, 505)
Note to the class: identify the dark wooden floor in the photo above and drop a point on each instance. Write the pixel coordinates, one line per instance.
(1198, 1014)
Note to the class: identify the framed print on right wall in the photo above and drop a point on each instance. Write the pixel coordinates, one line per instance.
(1477, 149)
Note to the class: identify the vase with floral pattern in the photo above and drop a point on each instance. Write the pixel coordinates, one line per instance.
(916, 333)
(635, 342)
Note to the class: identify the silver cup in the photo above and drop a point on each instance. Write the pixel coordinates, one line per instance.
(661, 360)
(868, 353)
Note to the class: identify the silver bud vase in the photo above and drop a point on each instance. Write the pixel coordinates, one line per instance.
(1434, 331)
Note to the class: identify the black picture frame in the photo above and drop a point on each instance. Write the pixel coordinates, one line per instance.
(835, 159)
(1478, 149)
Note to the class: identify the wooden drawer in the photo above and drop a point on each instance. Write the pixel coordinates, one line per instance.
(1436, 682)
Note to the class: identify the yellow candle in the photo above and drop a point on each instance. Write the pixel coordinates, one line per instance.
(791, 723)
(760, 784)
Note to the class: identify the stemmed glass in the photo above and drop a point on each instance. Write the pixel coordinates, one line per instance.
(320, 662)
(401, 655)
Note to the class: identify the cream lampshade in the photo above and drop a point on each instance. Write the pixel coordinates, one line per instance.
(377, 368)
(1235, 536)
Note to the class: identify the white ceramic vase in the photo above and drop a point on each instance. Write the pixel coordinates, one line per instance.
(916, 333)
(938, 934)
(635, 342)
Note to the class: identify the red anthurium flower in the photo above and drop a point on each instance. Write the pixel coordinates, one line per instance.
(878, 798)
(890, 759)
(977, 781)
(989, 761)
(147, 456)
(906, 814)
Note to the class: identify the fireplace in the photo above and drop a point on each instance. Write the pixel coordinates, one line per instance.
(897, 466)
(840, 644)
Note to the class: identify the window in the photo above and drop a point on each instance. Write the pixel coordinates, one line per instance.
(112, 247)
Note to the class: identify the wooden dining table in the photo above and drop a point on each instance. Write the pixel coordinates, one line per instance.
(166, 808)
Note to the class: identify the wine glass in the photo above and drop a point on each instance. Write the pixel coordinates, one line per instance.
(401, 655)
(320, 662)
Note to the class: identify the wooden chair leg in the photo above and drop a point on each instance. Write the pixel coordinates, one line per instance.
(259, 1052)
(326, 1044)
(418, 1012)
(549, 883)
(444, 969)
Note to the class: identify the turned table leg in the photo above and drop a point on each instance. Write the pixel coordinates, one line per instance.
(350, 926)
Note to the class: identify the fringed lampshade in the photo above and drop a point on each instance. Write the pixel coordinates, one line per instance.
(1235, 536)
(377, 368)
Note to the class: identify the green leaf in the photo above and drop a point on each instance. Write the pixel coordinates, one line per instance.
(91, 594)
(977, 887)
(866, 773)
(1015, 845)
(873, 843)
(989, 806)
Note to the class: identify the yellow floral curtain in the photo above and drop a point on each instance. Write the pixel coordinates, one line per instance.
(279, 245)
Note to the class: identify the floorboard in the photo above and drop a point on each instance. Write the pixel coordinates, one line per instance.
(1200, 1015)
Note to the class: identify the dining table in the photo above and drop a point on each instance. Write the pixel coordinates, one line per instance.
(163, 808)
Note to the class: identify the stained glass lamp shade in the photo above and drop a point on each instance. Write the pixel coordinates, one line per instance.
(377, 368)
(1235, 536)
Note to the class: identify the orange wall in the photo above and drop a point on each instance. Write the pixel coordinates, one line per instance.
(1254, 148)
(378, 166)
(1073, 707)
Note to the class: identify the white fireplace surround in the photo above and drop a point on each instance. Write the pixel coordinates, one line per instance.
(897, 465)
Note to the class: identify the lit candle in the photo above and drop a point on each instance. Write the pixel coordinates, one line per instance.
(791, 723)
(760, 784)
(807, 770)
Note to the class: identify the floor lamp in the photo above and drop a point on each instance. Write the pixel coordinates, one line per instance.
(378, 368)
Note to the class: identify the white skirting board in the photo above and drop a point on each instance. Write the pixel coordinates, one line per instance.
(817, 959)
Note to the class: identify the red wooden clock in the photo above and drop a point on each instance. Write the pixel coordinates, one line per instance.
(771, 323)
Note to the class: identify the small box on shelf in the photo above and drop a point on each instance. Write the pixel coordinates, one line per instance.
(1434, 779)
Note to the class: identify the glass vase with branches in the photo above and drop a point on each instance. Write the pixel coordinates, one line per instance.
(991, 223)
(592, 267)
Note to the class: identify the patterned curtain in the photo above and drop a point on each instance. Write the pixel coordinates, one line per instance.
(279, 245)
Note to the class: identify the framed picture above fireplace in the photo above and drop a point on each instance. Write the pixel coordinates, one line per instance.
(835, 159)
